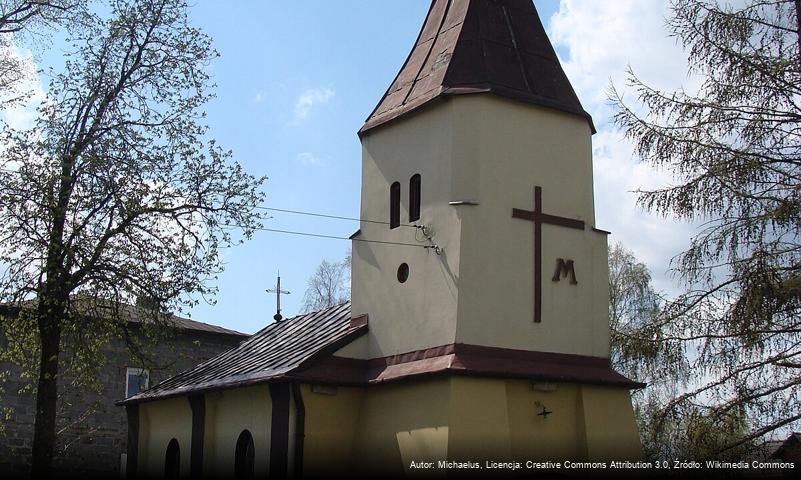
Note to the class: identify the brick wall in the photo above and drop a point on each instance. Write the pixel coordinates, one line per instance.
(94, 432)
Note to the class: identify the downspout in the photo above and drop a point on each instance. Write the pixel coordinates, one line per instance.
(300, 426)
(133, 440)
(198, 405)
(279, 430)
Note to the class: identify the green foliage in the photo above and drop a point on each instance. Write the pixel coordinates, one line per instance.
(119, 166)
(116, 194)
(29, 21)
(733, 148)
(693, 433)
(633, 308)
(20, 346)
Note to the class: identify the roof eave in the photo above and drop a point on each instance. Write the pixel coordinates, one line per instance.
(238, 381)
(379, 121)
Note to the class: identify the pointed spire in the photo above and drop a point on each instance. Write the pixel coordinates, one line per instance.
(479, 46)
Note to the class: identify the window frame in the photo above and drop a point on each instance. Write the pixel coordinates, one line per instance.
(415, 188)
(394, 205)
(140, 372)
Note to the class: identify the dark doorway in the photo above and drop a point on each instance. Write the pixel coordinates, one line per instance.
(245, 456)
(172, 460)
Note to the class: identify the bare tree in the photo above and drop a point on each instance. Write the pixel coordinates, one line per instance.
(116, 193)
(329, 286)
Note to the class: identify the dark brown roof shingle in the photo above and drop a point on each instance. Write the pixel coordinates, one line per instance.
(479, 46)
(124, 312)
(132, 314)
(277, 350)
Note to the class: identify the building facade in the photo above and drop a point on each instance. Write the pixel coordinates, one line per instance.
(93, 431)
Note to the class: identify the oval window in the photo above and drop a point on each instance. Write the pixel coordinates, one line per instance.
(403, 272)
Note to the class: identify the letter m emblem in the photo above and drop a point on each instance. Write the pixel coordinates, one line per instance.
(563, 269)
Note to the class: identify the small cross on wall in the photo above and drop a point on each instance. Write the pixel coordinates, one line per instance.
(544, 412)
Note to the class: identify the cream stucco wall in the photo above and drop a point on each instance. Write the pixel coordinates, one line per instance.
(498, 419)
(384, 428)
(515, 147)
(426, 303)
(358, 348)
(607, 422)
(378, 429)
(160, 422)
(331, 423)
(492, 151)
(228, 413)
(402, 422)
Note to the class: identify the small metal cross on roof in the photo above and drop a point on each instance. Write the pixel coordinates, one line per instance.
(277, 290)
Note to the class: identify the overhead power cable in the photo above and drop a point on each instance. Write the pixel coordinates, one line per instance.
(300, 212)
(338, 217)
(320, 235)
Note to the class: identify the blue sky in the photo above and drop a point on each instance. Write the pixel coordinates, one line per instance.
(296, 80)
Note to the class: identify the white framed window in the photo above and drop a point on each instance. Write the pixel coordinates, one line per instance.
(136, 380)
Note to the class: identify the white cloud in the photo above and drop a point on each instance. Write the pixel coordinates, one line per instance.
(259, 97)
(309, 159)
(21, 93)
(308, 99)
(602, 40)
(654, 240)
(21, 90)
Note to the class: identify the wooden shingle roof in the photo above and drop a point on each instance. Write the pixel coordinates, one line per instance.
(276, 351)
(128, 313)
(479, 46)
(133, 315)
(302, 348)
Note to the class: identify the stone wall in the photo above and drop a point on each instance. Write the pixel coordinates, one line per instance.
(93, 430)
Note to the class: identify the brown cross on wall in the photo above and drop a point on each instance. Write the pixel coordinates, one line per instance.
(539, 218)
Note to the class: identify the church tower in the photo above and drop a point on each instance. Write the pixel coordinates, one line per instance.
(479, 159)
(481, 147)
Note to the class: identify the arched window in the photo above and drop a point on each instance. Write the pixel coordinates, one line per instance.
(394, 205)
(172, 460)
(414, 197)
(245, 456)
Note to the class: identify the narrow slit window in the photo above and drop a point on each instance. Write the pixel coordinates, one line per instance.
(414, 197)
(394, 205)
